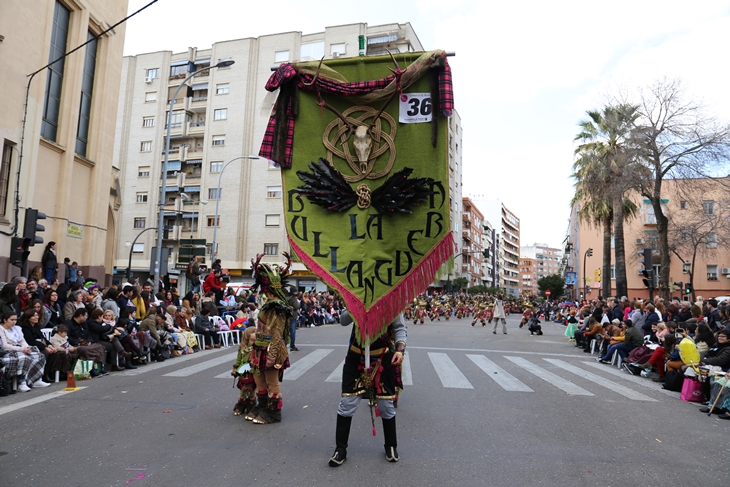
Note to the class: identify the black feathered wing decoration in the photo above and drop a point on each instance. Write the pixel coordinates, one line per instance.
(399, 193)
(325, 186)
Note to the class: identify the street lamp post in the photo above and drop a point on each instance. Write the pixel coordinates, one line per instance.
(588, 253)
(213, 249)
(223, 63)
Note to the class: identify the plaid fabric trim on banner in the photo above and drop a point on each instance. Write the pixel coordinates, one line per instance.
(287, 73)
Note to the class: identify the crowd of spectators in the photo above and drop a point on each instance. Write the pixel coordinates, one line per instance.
(667, 342)
(123, 327)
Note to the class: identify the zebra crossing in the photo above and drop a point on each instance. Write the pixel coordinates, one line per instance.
(510, 372)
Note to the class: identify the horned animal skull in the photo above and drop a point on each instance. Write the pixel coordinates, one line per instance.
(362, 143)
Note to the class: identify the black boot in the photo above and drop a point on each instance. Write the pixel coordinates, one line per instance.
(271, 413)
(128, 363)
(263, 402)
(342, 434)
(391, 440)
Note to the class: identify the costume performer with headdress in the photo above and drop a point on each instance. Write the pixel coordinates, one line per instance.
(242, 372)
(269, 356)
(376, 376)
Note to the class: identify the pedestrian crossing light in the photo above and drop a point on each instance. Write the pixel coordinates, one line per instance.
(589, 252)
(678, 286)
(688, 289)
(648, 278)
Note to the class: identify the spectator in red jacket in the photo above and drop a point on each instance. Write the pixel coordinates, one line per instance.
(214, 283)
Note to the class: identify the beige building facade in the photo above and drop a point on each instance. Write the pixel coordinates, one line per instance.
(528, 276)
(699, 214)
(219, 116)
(471, 247)
(67, 145)
(506, 227)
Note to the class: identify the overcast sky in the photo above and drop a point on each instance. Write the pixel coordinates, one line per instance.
(525, 72)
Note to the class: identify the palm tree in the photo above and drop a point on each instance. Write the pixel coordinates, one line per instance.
(602, 169)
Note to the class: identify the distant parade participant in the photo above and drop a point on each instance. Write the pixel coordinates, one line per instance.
(481, 314)
(269, 357)
(379, 382)
(499, 315)
(489, 312)
(420, 312)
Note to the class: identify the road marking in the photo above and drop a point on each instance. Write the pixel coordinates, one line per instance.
(470, 350)
(208, 364)
(556, 380)
(35, 400)
(301, 366)
(141, 369)
(610, 385)
(406, 374)
(643, 381)
(336, 375)
(505, 380)
(450, 375)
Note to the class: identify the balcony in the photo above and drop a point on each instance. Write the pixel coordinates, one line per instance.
(466, 235)
(195, 128)
(177, 129)
(712, 276)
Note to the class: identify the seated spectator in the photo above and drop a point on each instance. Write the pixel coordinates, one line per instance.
(676, 361)
(704, 339)
(31, 326)
(78, 336)
(182, 321)
(661, 355)
(76, 302)
(593, 330)
(651, 318)
(632, 338)
(13, 340)
(13, 364)
(204, 327)
(103, 334)
(52, 312)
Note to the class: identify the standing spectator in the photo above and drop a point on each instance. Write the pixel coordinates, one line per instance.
(49, 261)
(193, 274)
(71, 271)
(213, 283)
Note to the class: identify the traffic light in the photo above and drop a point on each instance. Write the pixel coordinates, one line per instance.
(688, 289)
(18, 252)
(679, 286)
(589, 252)
(648, 278)
(32, 227)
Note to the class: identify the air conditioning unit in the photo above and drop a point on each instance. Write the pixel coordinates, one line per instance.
(147, 80)
(336, 54)
(639, 241)
(641, 272)
(725, 270)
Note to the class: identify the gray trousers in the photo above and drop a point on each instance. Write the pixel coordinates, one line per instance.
(348, 406)
(504, 324)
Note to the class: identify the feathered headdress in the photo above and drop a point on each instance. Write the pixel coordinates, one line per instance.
(271, 277)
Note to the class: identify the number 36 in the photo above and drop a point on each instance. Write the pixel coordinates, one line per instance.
(419, 107)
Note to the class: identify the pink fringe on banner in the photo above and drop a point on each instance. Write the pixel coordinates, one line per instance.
(373, 321)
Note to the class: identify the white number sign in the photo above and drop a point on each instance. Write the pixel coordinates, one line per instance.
(415, 108)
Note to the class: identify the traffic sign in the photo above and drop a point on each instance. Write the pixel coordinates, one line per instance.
(548, 292)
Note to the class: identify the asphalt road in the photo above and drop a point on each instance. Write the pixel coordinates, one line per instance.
(482, 410)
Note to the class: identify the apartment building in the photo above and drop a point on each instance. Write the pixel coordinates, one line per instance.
(219, 116)
(507, 242)
(471, 238)
(60, 163)
(547, 259)
(698, 233)
(528, 276)
(490, 264)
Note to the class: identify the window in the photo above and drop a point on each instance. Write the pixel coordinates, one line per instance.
(87, 87)
(711, 240)
(271, 248)
(5, 177)
(139, 222)
(708, 207)
(712, 272)
(150, 97)
(143, 172)
(219, 140)
(682, 205)
(142, 198)
(212, 222)
(153, 73)
(146, 146)
(179, 70)
(281, 56)
(221, 89)
(177, 118)
(613, 271)
(54, 81)
(273, 192)
(216, 166)
(312, 50)
(338, 49)
(220, 114)
(148, 121)
(214, 193)
(272, 220)
(138, 248)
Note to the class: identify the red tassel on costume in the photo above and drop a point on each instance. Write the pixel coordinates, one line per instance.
(373, 430)
(377, 412)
